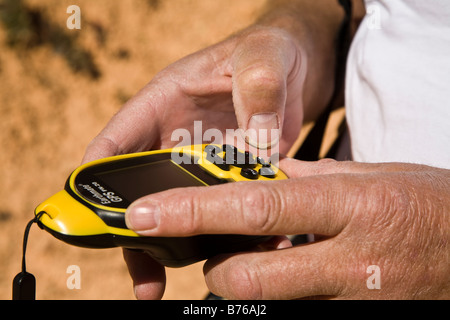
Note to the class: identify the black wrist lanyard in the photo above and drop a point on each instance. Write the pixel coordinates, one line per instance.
(24, 283)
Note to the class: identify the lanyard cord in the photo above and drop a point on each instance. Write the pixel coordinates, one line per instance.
(24, 283)
(25, 238)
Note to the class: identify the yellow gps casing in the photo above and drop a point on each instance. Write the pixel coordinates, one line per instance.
(90, 211)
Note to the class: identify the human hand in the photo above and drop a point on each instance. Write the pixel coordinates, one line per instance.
(394, 216)
(252, 80)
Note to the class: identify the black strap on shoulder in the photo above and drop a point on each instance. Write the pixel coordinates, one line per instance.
(310, 148)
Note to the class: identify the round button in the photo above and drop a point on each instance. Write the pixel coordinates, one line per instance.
(229, 148)
(212, 149)
(267, 172)
(249, 173)
(262, 162)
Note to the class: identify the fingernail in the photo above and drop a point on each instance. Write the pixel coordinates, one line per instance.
(286, 243)
(142, 216)
(263, 130)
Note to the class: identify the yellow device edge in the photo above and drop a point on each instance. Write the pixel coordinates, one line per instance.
(85, 222)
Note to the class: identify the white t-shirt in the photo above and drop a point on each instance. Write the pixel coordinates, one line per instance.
(398, 83)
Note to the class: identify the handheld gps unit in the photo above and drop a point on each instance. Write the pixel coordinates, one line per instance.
(90, 211)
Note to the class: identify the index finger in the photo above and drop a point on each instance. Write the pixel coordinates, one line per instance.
(315, 204)
(319, 198)
(133, 128)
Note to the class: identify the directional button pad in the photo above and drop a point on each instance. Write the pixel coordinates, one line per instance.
(231, 156)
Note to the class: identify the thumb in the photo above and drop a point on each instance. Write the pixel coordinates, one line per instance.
(261, 63)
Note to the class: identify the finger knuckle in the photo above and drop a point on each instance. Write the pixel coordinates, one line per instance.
(260, 77)
(261, 209)
(189, 219)
(244, 283)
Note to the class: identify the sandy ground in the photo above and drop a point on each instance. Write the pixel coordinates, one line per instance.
(58, 88)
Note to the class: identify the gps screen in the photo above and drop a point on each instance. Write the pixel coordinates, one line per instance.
(140, 180)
